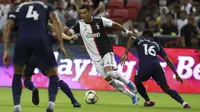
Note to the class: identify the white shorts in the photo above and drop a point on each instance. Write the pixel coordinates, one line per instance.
(107, 60)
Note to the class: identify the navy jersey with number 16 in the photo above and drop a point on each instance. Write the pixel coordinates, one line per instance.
(148, 50)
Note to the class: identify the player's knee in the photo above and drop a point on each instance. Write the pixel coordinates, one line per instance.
(112, 74)
(18, 69)
(52, 71)
(108, 79)
(26, 78)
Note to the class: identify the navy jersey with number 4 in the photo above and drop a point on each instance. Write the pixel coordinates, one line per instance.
(32, 19)
(148, 50)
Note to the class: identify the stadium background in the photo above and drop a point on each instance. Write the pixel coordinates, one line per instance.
(77, 70)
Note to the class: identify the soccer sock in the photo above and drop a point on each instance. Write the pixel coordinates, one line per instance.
(65, 88)
(53, 88)
(175, 96)
(16, 88)
(120, 86)
(118, 75)
(142, 91)
(29, 84)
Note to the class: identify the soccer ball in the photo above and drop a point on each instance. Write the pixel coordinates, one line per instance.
(91, 97)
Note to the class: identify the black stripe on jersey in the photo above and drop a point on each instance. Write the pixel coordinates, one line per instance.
(102, 41)
(95, 42)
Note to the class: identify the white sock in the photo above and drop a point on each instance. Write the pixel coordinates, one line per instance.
(184, 103)
(51, 105)
(117, 75)
(120, 86)
(17, 108)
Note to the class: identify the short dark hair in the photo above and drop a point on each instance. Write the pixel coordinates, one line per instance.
(147, 33)
(84, 6)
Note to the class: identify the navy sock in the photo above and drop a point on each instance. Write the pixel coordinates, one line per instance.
(53, 87)
(16, 88)
(29, 84)
(175, 95)
(142, 91)
(65, 88)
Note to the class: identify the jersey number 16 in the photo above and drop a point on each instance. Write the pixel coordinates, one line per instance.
(149, 50)
(32, 14)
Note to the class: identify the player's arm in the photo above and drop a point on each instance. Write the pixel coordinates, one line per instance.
(64, 36)
(56, 26)
(6, 33)
(115, 25)
(73, 31)
(163, 54)
(130, 42)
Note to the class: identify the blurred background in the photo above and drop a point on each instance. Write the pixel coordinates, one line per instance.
(170, 20)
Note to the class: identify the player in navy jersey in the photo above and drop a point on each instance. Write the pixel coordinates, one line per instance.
(149, 66)
(100, 50)
(32, 64)
(32, 18)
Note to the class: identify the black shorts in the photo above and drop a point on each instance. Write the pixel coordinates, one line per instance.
(154, 70)
(24, 50)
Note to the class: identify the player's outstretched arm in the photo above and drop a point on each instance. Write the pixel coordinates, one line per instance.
(128, 46)
(119, 27)
(171, 65)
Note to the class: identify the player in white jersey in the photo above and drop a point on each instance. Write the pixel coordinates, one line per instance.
(99, 48)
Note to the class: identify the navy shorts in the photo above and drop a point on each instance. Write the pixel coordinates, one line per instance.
(154, 70)
(40, 49)
(30, 67)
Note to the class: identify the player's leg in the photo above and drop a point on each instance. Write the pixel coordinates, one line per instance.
(28, 72)
(160, 79)
(21, 57)
(44, 53)
(141, 76)
(115, 83)
(66, 89)
(109, 60)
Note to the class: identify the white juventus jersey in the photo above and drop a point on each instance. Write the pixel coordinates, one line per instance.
(94, 37)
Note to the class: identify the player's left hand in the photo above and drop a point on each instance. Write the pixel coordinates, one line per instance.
(123, 60)
(6, 59)
(178, 78)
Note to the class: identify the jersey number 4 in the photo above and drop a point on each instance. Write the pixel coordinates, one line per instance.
(32, 14)
(149, 50)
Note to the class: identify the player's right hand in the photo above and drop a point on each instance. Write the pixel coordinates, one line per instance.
(178, 78)
(123, 60)
(6, 59)
(62, 49)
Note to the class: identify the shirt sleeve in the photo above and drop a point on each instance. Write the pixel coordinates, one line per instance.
(162, 52)
(75, 29)
(107, 22)
(12, 15)
(50, 8)
(136, 41)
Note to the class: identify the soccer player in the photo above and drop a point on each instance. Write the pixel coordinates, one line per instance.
(149, 66)
(32, 64)
(32, 18)
(99, 48)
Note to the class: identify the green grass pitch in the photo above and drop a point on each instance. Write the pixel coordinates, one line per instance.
(109, 101)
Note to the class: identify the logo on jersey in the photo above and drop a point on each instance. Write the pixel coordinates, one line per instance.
(98, 27)
(92, 35)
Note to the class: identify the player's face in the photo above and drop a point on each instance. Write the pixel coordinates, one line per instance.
(85, 15)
